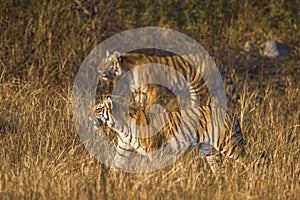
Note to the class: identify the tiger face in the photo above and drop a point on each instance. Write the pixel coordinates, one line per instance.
(110, 67)
(102, 114)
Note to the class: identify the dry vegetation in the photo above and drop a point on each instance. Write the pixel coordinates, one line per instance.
(42, 47)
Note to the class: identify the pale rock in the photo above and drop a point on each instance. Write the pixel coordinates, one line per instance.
(274, 49)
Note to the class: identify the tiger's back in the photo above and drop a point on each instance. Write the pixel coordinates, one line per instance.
(192, 126)
(198, 90)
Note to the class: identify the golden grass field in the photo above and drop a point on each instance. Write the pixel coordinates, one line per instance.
(42, 47)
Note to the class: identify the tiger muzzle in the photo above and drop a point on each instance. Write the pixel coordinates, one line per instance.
(106, 75)
(96, 122)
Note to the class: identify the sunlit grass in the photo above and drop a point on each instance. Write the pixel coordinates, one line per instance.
(41, 154)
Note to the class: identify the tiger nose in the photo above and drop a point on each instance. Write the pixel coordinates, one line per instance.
(106, 75)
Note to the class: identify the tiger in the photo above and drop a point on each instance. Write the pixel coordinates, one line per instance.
(113, 66)
(215, 131)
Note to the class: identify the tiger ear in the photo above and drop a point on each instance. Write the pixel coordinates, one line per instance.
(107, 53)
(117, 54)
(109, 102)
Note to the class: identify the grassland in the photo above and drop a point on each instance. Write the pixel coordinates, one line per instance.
(42, 47)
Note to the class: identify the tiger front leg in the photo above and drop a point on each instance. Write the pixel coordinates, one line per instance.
(123, 156)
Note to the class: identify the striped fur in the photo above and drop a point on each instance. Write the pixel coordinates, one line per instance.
(115, 65)
(215, 131)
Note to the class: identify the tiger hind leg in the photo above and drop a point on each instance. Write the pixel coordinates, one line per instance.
(215, 162)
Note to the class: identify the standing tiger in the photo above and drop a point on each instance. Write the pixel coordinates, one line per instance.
(115, 65)
(216, 132)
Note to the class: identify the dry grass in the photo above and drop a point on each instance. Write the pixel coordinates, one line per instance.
(41, 155)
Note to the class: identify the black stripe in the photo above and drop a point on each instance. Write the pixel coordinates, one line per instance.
(120, 138)
(173, 131)
(121, 154)
(188, 125)
(122, 148)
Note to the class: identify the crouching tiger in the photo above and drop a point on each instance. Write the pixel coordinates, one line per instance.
(215, 131)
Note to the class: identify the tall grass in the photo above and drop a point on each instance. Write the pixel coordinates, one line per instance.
(42, 47)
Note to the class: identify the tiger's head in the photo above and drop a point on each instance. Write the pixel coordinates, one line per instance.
(110, 66)
(102, 114)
